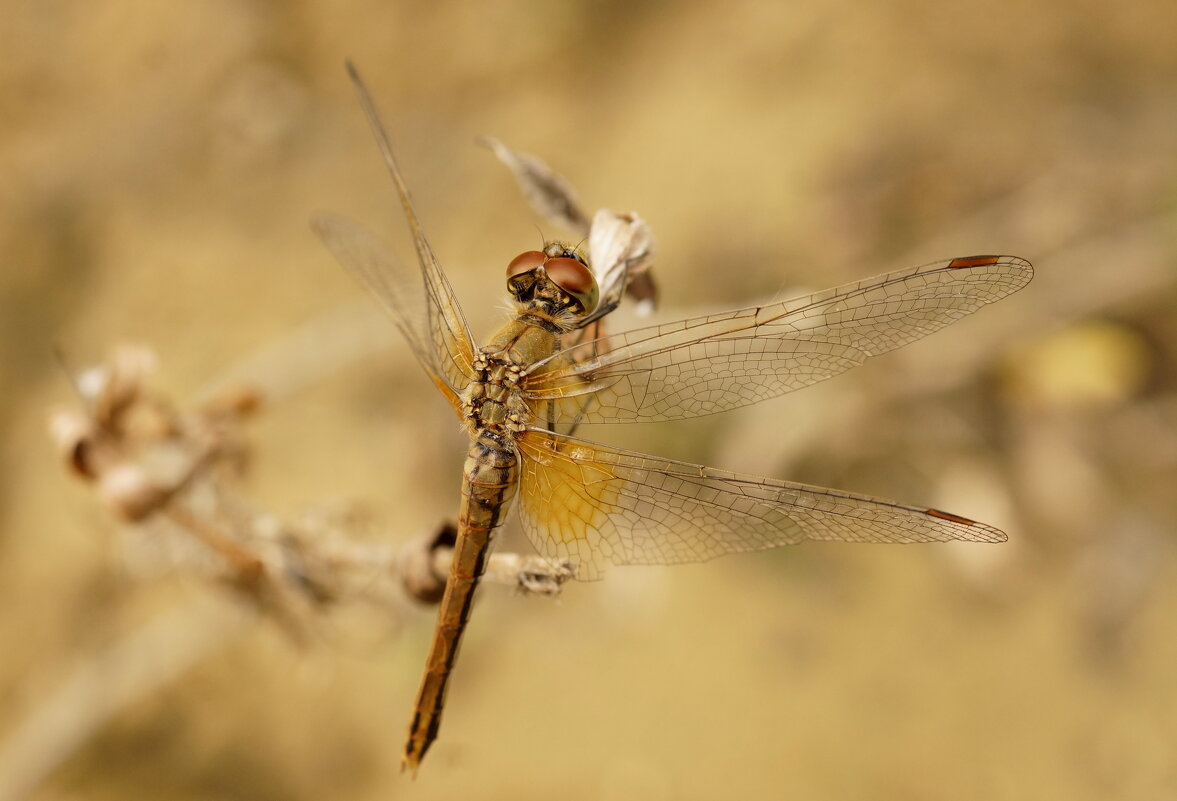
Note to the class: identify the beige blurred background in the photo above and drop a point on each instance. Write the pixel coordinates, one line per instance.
(160, 163)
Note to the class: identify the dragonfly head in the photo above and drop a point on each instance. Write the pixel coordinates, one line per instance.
(557, 277)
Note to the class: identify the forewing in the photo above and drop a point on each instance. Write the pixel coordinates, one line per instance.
(594, 505)
(445, 327)
(710, 364)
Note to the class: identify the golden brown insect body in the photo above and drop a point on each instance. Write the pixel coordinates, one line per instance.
(495, 412)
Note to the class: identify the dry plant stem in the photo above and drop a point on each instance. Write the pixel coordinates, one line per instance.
(286, 602)
(105, 684)
(530, 574)
(249, 568)
(422, 568)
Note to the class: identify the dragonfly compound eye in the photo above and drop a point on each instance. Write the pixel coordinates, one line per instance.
(522, 272)
(575, 279)
(525, 262)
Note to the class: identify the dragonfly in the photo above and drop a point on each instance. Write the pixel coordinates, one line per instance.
(521, 396)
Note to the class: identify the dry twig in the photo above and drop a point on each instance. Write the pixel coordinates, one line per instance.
(163, 471)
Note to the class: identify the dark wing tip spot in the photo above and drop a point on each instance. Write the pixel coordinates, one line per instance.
(981, 532)
(951, 517)
(967, 262)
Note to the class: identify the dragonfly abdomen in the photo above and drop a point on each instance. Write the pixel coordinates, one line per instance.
(488, 485)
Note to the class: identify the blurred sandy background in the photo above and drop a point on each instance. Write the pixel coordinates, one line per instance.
(160, 163)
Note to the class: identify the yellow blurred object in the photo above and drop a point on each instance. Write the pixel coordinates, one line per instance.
(1095, 363)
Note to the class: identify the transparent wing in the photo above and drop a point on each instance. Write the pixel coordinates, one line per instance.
(723, 361)
(438, 336)
(595, 505)
(372, 264)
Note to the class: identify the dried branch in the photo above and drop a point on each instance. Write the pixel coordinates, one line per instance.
(164, 472)
(156, 467)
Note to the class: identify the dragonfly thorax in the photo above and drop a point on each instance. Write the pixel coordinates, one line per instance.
(493, 400)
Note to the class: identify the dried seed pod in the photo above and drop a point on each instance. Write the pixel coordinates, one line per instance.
(74, 433)
(130, 493)
(115, 386)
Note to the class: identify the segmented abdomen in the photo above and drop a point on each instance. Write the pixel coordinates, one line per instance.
(488, 486)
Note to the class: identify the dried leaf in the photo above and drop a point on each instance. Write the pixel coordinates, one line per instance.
(621, 251)
(549, 194)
